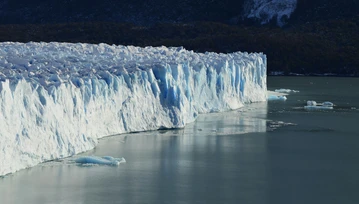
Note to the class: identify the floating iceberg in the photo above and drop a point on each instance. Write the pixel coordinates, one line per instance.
(313, 105)
(106, 160)
(276, 98)
(57, 99)
(285, 91)
(327, 104)
(279, 94)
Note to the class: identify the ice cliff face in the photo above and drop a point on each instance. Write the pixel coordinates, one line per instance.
(57, 99)
(266, 10)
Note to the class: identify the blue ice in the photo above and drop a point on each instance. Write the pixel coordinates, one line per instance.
(105, 160)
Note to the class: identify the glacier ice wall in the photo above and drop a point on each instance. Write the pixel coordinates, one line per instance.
(57, 99)
(266, 10)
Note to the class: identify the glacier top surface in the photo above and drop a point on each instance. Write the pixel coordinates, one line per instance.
(59, 62)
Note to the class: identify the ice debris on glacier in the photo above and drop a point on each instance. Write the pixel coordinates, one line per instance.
(57, 99)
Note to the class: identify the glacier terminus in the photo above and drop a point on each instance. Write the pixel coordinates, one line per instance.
(58, 99)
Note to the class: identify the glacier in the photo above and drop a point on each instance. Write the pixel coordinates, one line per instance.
(58, 99)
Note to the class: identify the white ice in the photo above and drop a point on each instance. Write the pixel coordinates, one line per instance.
(318, 107)
(328, 104)
(57, 99)
(313, 105)
(276, 98)
(286, 91)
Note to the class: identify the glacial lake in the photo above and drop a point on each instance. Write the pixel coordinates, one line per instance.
(273, 152)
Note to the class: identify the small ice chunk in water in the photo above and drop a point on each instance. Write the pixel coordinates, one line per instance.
(318, 107)
(328, 104)
(311, 103)
(105, 160)
(286, 91)
(276, 98)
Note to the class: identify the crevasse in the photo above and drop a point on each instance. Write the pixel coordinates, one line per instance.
(57, 99)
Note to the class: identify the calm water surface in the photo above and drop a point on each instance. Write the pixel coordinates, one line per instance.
(264, 153)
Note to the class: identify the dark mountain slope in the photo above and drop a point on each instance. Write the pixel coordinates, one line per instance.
(146, 12)
(321, 36)
(313, 48)
(138, 12)
(324, 10)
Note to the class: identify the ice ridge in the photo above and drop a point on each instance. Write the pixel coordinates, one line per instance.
(57, 99)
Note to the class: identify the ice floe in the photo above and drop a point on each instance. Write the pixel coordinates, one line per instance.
(313, 105)
(105, 160)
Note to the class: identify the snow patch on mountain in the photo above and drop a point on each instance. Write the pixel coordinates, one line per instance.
(266, 10)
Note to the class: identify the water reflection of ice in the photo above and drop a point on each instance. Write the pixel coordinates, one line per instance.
(251, 118)
(213, 147)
